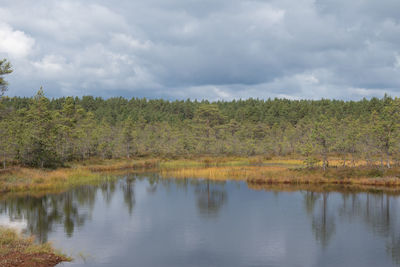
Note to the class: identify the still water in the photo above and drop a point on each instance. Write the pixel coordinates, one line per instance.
(147, 221)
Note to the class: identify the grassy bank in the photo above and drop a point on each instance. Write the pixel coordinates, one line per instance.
(255, 170)
(16, 250)
(279, 174)
(25, 179)
(19, 179)
(323, 188)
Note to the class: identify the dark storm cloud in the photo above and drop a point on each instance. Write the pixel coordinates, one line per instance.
(203, 49)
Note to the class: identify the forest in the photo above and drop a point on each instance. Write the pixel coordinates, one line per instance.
(41, 132)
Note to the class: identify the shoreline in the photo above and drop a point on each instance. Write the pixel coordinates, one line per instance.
(254, 170)
(17, 250)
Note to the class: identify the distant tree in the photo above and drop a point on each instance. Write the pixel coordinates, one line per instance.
(39, 146)
(391, 124)
(323, 133)
(127, 136)
(210, 115)
(5, 68)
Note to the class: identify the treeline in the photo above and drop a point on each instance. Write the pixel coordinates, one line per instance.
(46, 132)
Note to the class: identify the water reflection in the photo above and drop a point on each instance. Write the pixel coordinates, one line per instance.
(70, 209)
(129, 192)
(210, 201)
(373, 210)
(323, 223)
(325, 212)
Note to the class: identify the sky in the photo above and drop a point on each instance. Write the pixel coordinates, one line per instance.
(203, 49)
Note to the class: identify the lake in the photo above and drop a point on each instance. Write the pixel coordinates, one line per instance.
(143, 220)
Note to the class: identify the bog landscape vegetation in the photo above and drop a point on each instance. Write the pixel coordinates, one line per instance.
(273, 140)
(52, 144)
(49, 133)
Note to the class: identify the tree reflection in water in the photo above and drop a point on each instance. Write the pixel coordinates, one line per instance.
(70, 209)
(378, 211)
(210, 198)
(41, 214)
(372, 209)
(129, 192)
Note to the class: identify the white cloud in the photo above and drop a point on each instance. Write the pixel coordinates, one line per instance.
(51, 64)
(397, 61)
(14, 43)
(130, 42)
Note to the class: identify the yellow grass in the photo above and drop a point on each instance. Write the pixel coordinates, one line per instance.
(321, 188)
(256, 169)
(116, 165)
(223, 173)
(228, 161)
(35, 180)
(26, 179)
(281, 175)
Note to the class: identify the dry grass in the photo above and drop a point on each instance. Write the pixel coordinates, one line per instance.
(284, 175)
(202, 162)
(26, 179)
(20, 179)
(117, 165)
(257, 169)
(224, 173)
(16, 250)
(325, 188)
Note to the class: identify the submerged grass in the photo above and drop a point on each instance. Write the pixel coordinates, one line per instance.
(16, 250)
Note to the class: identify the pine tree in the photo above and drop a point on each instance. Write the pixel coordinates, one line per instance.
(5, 68)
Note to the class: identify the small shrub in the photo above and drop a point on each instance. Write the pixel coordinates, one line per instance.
(311, 162)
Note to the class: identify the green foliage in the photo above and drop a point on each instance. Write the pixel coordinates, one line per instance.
(5, 68)
(46, 132)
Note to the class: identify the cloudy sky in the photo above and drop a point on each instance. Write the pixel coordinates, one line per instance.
(214, 49)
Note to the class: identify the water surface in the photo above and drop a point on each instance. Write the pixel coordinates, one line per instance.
(147, 221)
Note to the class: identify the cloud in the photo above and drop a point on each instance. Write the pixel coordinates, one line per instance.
(203, 49)
(14, 43)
